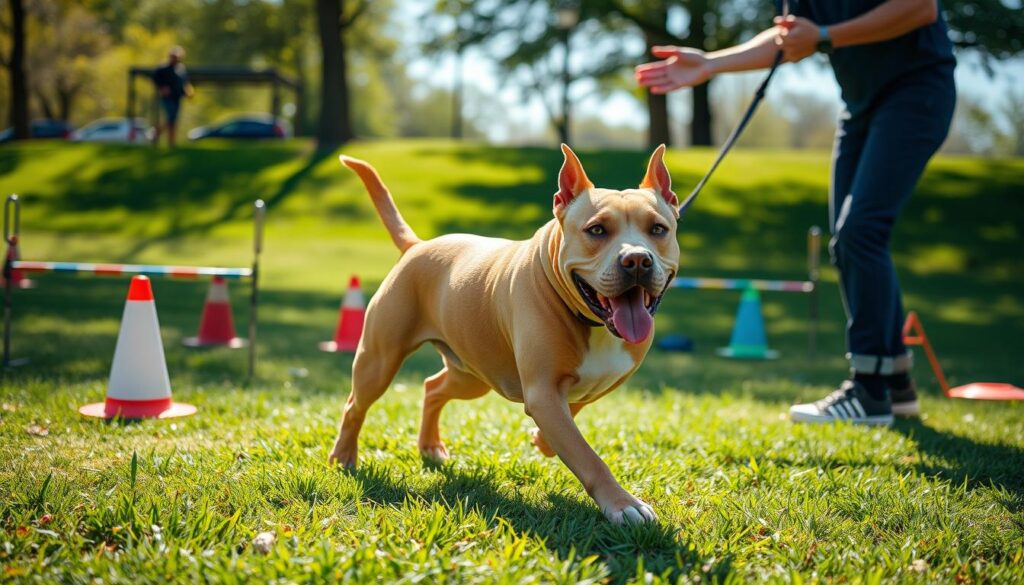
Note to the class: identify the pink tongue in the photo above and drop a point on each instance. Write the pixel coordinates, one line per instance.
(630, 316)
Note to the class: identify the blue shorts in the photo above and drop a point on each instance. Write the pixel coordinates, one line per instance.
(171, 107)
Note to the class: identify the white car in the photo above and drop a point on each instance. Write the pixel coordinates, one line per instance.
(114, 130)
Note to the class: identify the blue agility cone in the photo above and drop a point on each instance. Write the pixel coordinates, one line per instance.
(748, 337)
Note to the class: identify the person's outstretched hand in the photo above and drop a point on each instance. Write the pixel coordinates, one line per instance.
(681, 67)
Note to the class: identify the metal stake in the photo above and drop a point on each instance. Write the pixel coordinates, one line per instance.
(813, 265)
(259, 214)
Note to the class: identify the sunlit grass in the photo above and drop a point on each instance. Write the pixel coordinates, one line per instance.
(741, 493)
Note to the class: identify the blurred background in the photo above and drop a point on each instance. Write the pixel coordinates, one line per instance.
(507, 72)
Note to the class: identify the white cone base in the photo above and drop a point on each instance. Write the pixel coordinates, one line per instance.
(25, 284)
(99, 410)
(333, 347)
(235, 343)
(727, 352)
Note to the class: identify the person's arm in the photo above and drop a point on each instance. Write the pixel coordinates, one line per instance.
(890, 19)
(685, 67)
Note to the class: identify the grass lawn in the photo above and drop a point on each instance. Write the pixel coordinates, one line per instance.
(741, 493)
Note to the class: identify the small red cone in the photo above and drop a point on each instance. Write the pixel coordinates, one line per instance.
(350, 320)
(216, 327)
(18, 279)
(139, 386)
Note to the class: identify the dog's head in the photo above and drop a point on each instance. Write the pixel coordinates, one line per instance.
(619, 251)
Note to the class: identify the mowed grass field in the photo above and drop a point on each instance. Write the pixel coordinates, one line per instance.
(741, 493)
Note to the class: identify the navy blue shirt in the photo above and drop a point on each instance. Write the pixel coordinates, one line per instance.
(864, 71)
(174, 77)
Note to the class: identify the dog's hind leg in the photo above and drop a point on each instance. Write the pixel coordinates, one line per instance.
(444, 386)
(372, 372)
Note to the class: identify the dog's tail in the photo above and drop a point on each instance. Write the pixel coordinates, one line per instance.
(401, 234)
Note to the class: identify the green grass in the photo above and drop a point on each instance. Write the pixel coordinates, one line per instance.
(741, 493)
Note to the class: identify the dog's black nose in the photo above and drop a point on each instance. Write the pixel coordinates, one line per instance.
(636, 262)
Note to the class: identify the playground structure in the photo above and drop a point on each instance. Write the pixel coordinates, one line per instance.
(12, 235)
(808, 287)
(224, 76)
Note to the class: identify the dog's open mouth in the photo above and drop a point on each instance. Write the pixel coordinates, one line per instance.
(629, 315)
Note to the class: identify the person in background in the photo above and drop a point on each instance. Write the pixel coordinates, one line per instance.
(894, 64)
(172, 85)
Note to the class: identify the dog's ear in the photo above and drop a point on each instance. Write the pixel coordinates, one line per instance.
(572, 180)
(657, 178)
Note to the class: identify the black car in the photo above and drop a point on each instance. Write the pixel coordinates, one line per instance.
(243, 127)
(43, 129)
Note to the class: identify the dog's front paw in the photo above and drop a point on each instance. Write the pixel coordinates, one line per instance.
(437, 452)
(342, 456)
(624, 507)
(537, 438)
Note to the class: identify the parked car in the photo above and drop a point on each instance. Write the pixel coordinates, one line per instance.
(114, 130)
(249, 126)
(42, 129)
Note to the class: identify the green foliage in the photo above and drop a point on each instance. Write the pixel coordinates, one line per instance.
(741, 493)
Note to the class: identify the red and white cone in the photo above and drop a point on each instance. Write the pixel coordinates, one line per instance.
(139, 386)
(18, 279)
(216, 327)
(350, 320)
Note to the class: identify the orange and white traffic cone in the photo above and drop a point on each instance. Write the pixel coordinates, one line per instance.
(350, 320)
(18, 279)
(216, 327)
(139, 386)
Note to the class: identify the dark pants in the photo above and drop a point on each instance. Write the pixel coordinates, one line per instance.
(879, 156)
(171, 108)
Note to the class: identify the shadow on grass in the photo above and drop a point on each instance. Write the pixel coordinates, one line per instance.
(564, 524)
(233, 210)
(962, 459)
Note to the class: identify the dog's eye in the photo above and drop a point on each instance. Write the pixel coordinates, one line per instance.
(659, 230)
(596, 230)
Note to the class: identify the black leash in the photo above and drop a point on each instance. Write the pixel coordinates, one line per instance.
(758, 96)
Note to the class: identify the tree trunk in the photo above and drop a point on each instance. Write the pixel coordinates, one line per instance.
(563, 125)
(65, 101)
(700, 125)
(658, 131)
(335, 125)
(49, 112)
(19, 77)
(457, 89)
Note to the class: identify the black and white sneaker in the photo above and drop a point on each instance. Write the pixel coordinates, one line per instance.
(904, 402)
(851, 402)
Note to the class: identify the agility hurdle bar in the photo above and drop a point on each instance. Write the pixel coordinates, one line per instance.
(12, 235)
(808, 287)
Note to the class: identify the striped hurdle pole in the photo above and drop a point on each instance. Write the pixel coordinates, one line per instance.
(12, 227)
(809, 286)
(186, 272)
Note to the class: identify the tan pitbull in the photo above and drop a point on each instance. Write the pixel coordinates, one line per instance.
(554, 322)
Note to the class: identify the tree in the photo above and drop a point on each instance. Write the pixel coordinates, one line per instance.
(658, 131)
(335, 127)
(64, 56)
(531, 49)
(15, 63)
(994, 28)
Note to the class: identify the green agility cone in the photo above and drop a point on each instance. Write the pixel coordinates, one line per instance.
(748, 337)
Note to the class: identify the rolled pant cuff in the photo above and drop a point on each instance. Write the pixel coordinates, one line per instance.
(880, 364)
